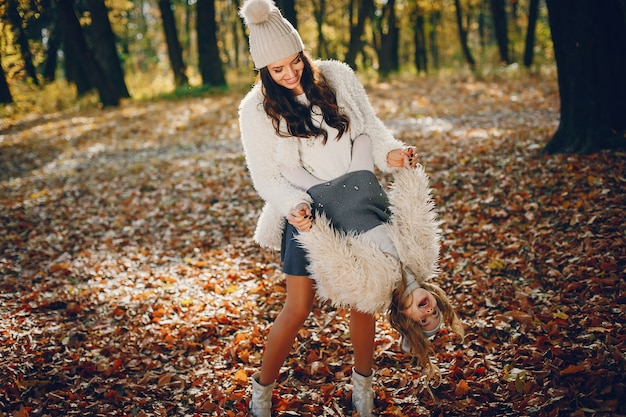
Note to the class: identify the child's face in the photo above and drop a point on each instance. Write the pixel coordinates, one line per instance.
(421, 307)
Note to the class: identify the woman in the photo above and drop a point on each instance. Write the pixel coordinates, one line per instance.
(312, 116)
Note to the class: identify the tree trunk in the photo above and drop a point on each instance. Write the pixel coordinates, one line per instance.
(319, 11)
(463, 36)
(5, 91)
(529, 48)
(52, 51)
(174, 51)
(208, 53)
(589, 43)
(356, 31)
(109, 95)
(288, 9)
(104, 47)
(498, 13)
(387, 47)
(419, 38)
(435, 17)
(21, 37)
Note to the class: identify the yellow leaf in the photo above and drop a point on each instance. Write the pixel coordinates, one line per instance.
(561, 315)
(241, 377)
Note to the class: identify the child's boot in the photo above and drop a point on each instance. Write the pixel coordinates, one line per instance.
(261, 403)
(362, 394)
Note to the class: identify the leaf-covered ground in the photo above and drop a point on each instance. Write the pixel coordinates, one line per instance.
(130, 285)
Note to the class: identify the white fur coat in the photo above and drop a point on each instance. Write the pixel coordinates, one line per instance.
(265, 151)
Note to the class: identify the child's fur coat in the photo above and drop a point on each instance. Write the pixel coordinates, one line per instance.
(351, 271)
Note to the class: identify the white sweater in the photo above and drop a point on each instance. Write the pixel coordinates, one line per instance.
(265, 151)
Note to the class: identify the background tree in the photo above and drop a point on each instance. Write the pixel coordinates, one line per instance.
(589, 44)
(498, 13)
(13, 15)
(109, 95)
(5, 91)
(319, 12)
(435, 18)
(51, 61)
(462, 27)
(174, 51)
(364, 10)
(209, 59)
(288, 9)
(105, 51)
(419, 37)
(529, 45)
(386, 38)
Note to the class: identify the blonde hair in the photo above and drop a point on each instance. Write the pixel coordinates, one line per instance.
(420, 345)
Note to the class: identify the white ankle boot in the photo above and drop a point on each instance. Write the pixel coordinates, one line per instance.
(362, 394)
(261, 402)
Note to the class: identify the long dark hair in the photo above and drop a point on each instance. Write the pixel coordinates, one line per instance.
(280, 103)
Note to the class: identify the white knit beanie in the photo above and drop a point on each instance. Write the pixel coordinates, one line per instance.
(272, 37)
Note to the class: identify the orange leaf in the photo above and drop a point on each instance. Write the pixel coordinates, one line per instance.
(572, 369)
(462, 388)
(241, 377)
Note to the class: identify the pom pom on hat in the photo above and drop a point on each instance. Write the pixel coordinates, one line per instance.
(272, 37)
(256, 12)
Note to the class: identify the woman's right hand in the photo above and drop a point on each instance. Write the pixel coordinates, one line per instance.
(300, 217)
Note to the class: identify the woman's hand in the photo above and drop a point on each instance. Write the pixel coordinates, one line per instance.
(402, 158)
(300, 217)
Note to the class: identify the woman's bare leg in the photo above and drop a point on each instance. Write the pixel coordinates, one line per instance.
(362, 333)
(298, 305)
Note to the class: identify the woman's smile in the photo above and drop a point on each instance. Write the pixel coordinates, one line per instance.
(288, 73)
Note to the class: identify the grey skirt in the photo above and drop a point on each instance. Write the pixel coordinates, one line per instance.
(292, 255)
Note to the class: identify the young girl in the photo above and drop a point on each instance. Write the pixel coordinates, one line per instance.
(356, 212)
(310, 115)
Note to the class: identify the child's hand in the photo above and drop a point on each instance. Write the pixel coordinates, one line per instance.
(402, 158)
(300, 217)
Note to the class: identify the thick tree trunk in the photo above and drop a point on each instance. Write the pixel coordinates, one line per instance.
(104, 47)
(174, 51)
(463, 36)
(74, 34)
(14, 17)
(74, 70)
(208, 53)
(5, 91)
(529, 53)
(589, 44)
(356, 31)
(498, 12)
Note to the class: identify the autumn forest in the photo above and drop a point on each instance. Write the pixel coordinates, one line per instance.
(130, 284)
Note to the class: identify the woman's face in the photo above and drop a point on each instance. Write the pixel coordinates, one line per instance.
(288, 73)
(422, 309)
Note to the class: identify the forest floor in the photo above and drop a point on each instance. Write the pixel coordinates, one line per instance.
(130, 284)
